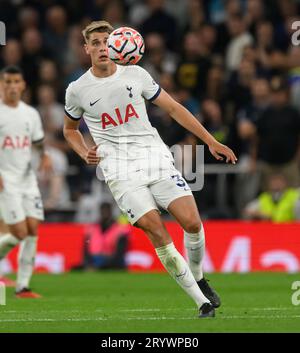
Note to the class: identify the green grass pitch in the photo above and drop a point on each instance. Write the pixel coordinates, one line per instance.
(143, 302)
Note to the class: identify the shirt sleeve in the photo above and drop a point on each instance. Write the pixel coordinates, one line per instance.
(72, 108)
(150, 89)
(38, 131)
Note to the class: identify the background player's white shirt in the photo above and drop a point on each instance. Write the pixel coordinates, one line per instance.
(115, 112)
(19, 128)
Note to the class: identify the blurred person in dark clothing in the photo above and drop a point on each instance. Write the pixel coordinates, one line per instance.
(56, 32)
(212, 120)
(12, 53)
(239, 85)
(247, 184)
(49, 74)
(28, 18)
(278, 132)
(193, 67)
(33, 54)
(269, 56)
(248, 116)
(158, 59)
(160, 21)
(107, 241)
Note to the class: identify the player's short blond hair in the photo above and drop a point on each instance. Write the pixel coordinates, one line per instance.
(97, 26)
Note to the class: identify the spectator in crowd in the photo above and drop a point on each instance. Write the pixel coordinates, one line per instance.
(247, 183)
(159, 60)
(278, 203)
(240, 37)
(51, 111)
(56, 33)
(254, 13)
(239, 85)
(278, 131)
(33, 54)
(293, 62)
(192, 69)
(114, 13)
(160, 21)
(50, 75)
(248, 116)
(28, 19)
(12, 53)
(107, 241)
(54, 188)
(270, 57)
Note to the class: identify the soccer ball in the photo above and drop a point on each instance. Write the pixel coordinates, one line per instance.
(125, 46)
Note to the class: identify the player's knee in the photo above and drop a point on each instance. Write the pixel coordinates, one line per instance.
(192, 225)
(20, 233)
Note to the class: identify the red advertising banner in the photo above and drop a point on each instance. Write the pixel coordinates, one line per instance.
(230, 247)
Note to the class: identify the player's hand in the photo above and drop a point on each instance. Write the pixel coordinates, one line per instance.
(46, 165)
(1, 184)
(219, 151)
(91, 157)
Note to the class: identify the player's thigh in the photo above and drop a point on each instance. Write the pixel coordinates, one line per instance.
(3, 227)
(11, 205)
(185, 211)
(19, 230)
(155, 229)
(32, 225)
(33, 205)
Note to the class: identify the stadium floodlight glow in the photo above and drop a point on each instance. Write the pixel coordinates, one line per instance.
(2, 33)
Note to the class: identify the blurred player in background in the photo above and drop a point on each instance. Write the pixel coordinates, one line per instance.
(3, 231)
(111, 98)
(20, 200)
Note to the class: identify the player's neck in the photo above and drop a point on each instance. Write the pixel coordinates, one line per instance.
(11, 103)
(105, 71)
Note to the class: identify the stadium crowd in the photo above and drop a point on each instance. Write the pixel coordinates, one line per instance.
(230, 62)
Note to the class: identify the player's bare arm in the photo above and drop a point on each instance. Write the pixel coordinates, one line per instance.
(76, 141)
(188, 121)
(45, 160)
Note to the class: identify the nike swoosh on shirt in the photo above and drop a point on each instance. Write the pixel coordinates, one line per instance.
(91, 104)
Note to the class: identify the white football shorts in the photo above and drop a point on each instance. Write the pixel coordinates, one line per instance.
(16, 204)
(142, 192)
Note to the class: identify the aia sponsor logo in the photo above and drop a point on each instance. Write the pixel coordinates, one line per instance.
(118, 118)
(15, 142)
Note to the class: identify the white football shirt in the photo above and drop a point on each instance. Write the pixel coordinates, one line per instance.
(115, 112)
(19, 128)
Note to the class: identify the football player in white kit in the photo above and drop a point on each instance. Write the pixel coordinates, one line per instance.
(20, 199)
(111, 99)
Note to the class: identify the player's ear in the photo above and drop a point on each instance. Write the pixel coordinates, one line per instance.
(23, 85)
(86, 48)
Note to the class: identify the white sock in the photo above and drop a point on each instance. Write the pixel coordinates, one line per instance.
(7, 242)
(26, 259)
(195, 246)
(177, 267)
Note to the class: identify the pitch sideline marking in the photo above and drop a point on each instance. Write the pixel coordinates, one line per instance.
(151, 318)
